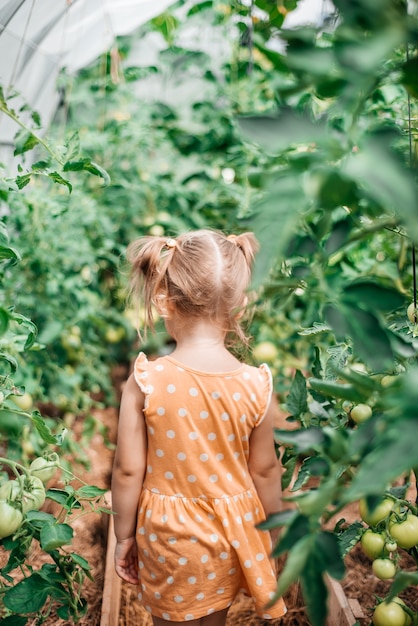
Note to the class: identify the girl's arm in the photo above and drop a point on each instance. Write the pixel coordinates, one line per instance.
(263, 464)
(127, 478)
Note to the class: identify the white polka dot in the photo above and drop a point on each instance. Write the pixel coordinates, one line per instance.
(200, 596)
(150, 389)
(182, 519)
(204, 558)
(178, 599)
(231, 437)
(171, 388)
(225, 522)
(182, 560)
(192, 580)
(149, 469)
(171, 434)
(148, 514)
(182, 412)
(191, 478)
(236, 455)
(204, 415)
(148, 608)
(193, 391)
(247, 563)
(170, 580)
(141, 531)
(193, 539)
(266, 616)
(248, 516)
(181, 456)
(243, 419)
(223, 556)
(141, 564)
(169, 475)
(188, 617)
(236, 396)
(239, 519)
(212, 436)
(159, 367)
(225, 417)
(235, 544)
(166, 615)
(139, 596)
(153, 576)
(229, 477)
(161, 410)
(193, 435)
(214, 538)
(232, 571)
(216, 395)
(146, 553)
(204, 457)
(220, 591)
(259, 581)
(213, 478)
(159, 453)
(153, 537)
(161, 559)
(246, 376)
(244, 438)
(157, 594)
(253, 397)
(211, 576)
(198, 518)
(219, 457)
(259, 556)
(151, 430)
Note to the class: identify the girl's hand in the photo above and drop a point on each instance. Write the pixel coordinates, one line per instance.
(126, 560)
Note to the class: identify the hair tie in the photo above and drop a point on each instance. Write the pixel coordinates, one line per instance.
(170, 243)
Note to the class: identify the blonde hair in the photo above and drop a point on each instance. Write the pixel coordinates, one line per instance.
(203, 273)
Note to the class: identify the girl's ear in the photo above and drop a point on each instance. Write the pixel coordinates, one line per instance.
(164, 306)
(241, 312)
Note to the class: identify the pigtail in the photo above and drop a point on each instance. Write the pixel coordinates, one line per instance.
(149, 258)
(248, 245)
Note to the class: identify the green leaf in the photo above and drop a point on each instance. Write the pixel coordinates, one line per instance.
(297, 398)
(89, 166)
(10, 360)
(298, 528)
(24, 141)
(295, 564)
(43, 429)
(349, 537)
(6, 252)
(28, 596)
(14, 620)
(372, 296)
(54, 536)
(4, 321)
(336, 390)
(317, 328)
(276, 520)
(72, 147)
(312, 466)
(23, 180)
(329, 554)
(273, 223)
(386, 461)
(57, 178)
(89, 491)
(402, 581)
(314, 590)
(276, 133)
(303, 440)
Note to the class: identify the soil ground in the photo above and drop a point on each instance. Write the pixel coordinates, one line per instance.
(91, 536)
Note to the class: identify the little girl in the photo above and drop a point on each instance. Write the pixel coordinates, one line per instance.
(195, 468)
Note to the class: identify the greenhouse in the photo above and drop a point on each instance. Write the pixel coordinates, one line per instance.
(208, 314)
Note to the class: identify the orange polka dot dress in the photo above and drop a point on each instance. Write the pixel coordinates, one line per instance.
(198, 544)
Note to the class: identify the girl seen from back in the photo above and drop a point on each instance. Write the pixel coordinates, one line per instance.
(195, 467)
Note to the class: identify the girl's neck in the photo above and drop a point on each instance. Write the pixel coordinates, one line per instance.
(200, 344)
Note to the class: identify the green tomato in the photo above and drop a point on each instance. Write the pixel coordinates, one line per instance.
(405, 533)
(265, 351)
(372, 543)
(412, 313)
(360, 413)
(384, 568)
(44, 468)
(10, 519)
(378, 514)
(391, 546)
(29, 494)
(391, 614)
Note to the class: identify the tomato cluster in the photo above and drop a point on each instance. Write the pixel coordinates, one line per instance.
(392, 525)
(24, 493)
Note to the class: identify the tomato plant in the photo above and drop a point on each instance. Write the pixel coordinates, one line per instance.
(10, 519)
(377, 514)
(360, 413)
(44, 468)
(405, 532)
(372, 543)
(391, 614)
(384, 568)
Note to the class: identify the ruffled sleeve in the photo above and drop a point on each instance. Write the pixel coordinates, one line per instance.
(266, 391)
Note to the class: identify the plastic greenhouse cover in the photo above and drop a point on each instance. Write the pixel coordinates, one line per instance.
(40, 37)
